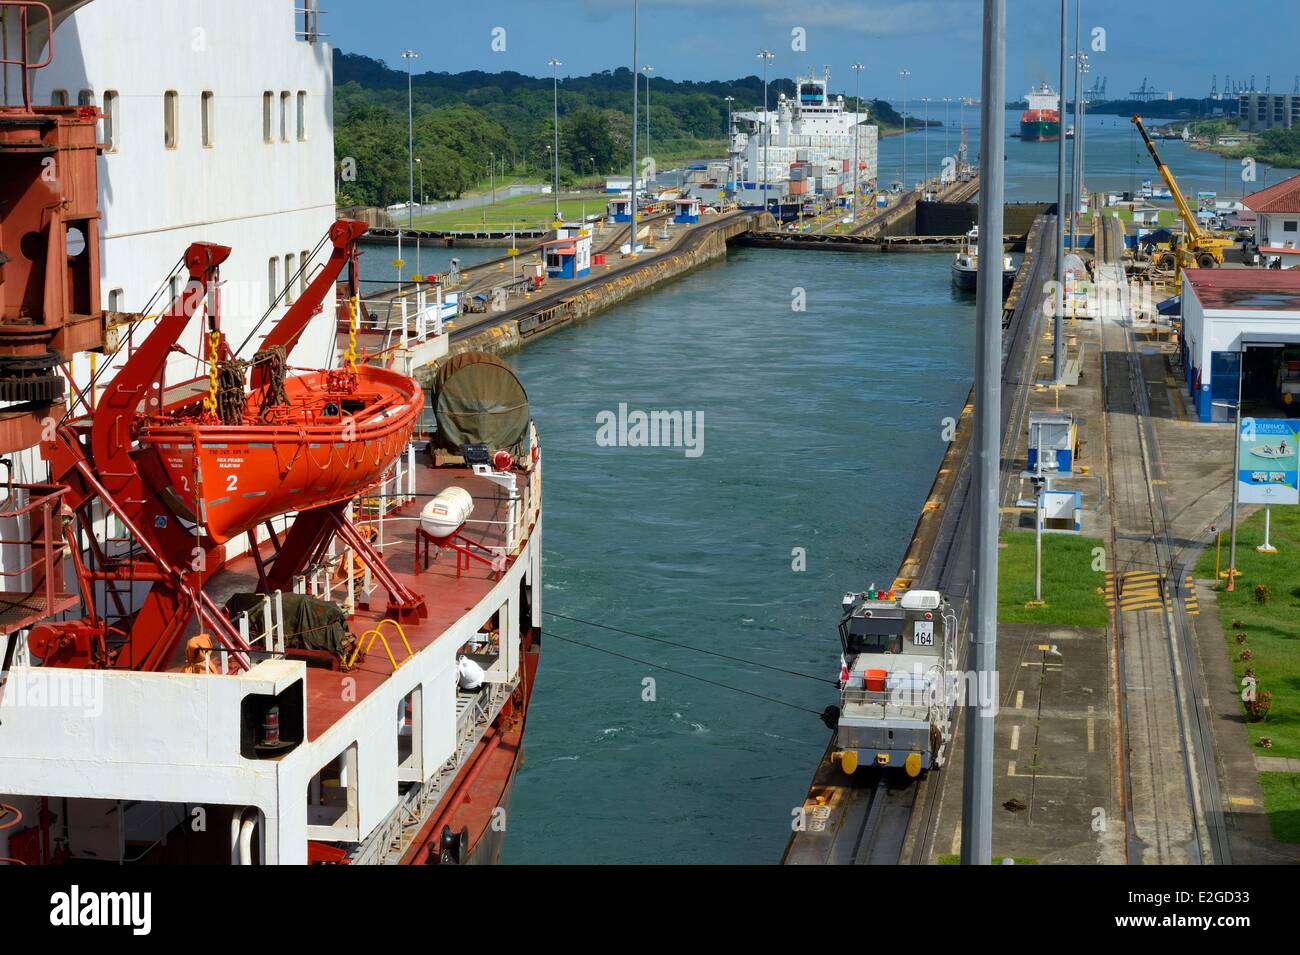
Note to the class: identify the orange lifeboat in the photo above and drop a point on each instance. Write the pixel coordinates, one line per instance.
(330, 437)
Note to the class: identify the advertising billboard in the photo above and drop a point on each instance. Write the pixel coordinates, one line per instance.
(1267, 461)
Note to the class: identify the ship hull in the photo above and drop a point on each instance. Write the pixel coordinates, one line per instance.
(1038, 126)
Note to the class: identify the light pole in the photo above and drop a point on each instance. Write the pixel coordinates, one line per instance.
(1075, 178)
(419, 162)
(857, 131)
(492, 175)
(410, 56)
(925, 170)
(977, 777)
(767, 56)
(1058, 358)
(947, 143)
(647, 70)
(731, 154)
(636, 99)
(555, 121)
(904, 74)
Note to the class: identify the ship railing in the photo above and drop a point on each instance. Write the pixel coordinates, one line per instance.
(307, 21)
(389, 841)
(272, 638)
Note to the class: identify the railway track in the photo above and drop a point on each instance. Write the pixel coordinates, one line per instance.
(887, 820)
(1173, 803)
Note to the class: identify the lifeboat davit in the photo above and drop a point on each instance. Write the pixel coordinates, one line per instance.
(332, 436)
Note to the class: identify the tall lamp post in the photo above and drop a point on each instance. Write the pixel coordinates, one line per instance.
(977, 776)
(731, 154)
(636, 99)
(647, 70)
(947, 142)
(903, 75)
(767, 56)
(410, 56)
(857, 69)
(1058, 357)
(925, 170)
(553, 63)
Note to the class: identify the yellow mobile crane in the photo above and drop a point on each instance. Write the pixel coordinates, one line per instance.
(1200, 248)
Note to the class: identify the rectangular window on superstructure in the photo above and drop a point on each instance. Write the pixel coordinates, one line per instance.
(59, 98)
(303, 261)
(272, 276)
(284, 116)
(290, 271)
(111, 120)
(268, 105)
(205, 108)
(86, 98)
(302, 115)
(170, 119)
(115, 297)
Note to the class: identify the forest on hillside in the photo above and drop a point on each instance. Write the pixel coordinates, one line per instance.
(463, 122)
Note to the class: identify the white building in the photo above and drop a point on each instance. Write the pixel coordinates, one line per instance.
(1228, 312)
(1277, 229)
(219, 126)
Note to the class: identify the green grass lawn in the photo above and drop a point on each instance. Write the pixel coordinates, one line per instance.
(1070, 585)
(520, 212)
(1272, 629)
(1165, 217)
(1282, 802)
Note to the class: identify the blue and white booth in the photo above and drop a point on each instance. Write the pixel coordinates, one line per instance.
(687, 211)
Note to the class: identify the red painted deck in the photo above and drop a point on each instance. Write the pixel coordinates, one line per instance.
(448, 596)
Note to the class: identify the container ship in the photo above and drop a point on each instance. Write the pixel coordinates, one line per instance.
(802, 150)
(1041, 120)
(266, 597)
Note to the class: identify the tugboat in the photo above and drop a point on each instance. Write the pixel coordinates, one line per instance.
(965, 265)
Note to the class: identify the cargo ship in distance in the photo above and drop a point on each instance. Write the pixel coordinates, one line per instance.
(266, 597)
(1041, 120)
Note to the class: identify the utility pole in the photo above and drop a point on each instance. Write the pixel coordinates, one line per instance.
(1058, 332)
(731, 154)
(947, 145)
(925, 169)
(636, 99)
(904, 74)
(977, 801)
(857, 131)
(553, 63)
(647, 70)
(1076, 172)
(766, 56)
(410, 56)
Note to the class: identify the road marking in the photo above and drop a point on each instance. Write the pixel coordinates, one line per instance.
(1092, 727)
(1020, 699)
(1011, 771)
(1015, 738)
(1011, 768)
(1241, 800)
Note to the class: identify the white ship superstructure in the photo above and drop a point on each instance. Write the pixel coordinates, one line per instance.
(814, 128)
(218, 118)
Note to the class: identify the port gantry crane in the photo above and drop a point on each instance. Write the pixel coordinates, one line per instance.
(1200, 248)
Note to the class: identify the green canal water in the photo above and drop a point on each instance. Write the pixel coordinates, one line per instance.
(821, 431)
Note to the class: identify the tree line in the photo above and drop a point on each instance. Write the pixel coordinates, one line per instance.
(465, 122)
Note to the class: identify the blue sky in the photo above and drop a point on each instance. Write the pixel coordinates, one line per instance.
(938, 40)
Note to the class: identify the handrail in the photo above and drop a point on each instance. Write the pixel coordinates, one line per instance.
(26, 67)
(374, 633)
